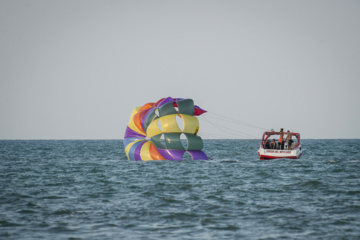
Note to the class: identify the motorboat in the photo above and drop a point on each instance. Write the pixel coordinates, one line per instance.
(271, 149)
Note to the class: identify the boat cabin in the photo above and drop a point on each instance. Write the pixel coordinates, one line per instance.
(270, 140)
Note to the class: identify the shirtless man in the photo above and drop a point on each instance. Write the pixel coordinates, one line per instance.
(288, 138)
(281, 139)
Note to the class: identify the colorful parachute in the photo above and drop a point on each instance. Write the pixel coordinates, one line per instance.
(164, 130)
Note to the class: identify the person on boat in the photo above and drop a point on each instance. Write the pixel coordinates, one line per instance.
(281, 139)
(267, 144)
(288, 138)
(273, 144)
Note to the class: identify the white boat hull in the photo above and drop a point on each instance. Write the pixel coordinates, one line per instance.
(265, 154)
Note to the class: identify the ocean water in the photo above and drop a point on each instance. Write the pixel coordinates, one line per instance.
(89, 190)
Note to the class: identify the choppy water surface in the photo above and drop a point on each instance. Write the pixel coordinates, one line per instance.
(88, 190)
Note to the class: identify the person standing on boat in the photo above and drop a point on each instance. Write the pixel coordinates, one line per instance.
(281, 139)
(288, 138)
(273, 144)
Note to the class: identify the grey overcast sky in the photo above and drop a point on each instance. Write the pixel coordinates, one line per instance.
(76, 69)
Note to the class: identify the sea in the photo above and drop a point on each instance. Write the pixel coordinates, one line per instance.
(87, 189)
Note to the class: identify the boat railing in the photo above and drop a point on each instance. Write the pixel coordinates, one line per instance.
(294, 145)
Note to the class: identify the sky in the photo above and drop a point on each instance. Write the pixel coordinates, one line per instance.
(77, 69)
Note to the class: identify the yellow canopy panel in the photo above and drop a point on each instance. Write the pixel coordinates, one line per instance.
(131, 123)
(169, 125)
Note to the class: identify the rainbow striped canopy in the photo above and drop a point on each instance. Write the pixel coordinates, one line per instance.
(163, 130)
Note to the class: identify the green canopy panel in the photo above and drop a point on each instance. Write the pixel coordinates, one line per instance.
(194, 142)
(156, 140)
(167, 109)
(174, 141)
(152, 116)
(186, 106)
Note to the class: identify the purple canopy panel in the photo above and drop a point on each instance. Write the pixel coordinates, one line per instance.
(133, 149)
(198, 155)
(138, 150)
(178, 99)
(131, 133)
(171, 154)
(166, 100)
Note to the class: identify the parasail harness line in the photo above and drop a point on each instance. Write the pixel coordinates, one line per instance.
(229, 130)
(225, 118)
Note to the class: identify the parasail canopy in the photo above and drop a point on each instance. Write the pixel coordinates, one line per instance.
(163, 130)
